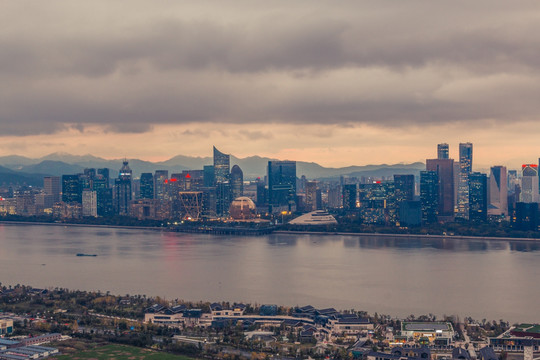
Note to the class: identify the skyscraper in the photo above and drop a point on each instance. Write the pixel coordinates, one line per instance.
(349, 196)
(465, 168)
(429, 195)
(404, 187)
(123, 190)
(281, 183)
(237, 182)
(147, 186)
(89, 203)
(208, 176)
(442, 151)
(478, 197)
(311, 196)
(159, 184)
(221, 167)
(529, 183)
(445, 174)
(51, 186)
(71, 189)
(498, 192)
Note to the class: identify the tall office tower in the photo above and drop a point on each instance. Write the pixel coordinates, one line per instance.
(334, 196)
(445, 174)
(311, 203)
(223, 198)
(71, 189)
(465, 168)
(349, 196)
(208, 176)
(104, 173)
(89, 203)
(429, 195)
(262, 192)
(281, 184)
(147, 186)
(478, 202)
(123, 190)
(529, 183)
(404, 187)
(221, 167)
(442, 151)
(159, 184)
(498, 192)
(237, 182)
(51, 186)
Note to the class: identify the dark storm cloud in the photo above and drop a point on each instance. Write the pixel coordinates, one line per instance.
(280, 63)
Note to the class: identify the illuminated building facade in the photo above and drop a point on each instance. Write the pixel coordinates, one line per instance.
(445, 174)
(498, 192)
(529, 183)
(465, 168)
(429, 195)
(478, 197)
(122, 187)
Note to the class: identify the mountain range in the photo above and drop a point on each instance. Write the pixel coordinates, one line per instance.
(20, 169)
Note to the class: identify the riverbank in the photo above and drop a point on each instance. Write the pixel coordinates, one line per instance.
(125, 227)
(426, 236)
(237, 232)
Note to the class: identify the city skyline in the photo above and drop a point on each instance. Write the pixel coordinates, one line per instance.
(362, 83)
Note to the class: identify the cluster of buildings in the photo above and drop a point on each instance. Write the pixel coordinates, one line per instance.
(308, 322)
(28, 348)
(447, 190)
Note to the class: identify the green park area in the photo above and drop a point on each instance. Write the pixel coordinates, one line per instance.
(121, 352)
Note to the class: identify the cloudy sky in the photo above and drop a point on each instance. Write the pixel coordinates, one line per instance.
(339, 83)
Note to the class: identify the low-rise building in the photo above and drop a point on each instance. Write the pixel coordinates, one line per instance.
(6, 326)
(440, 332)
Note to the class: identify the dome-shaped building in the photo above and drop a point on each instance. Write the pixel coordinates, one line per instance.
(243, 208)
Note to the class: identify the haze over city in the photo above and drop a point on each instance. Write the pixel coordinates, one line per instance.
(359, 83)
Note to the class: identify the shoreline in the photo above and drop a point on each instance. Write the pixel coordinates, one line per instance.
(153, 228)
(291, 232)
(426, 236)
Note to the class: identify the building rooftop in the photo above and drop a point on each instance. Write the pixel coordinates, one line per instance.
(425, 326)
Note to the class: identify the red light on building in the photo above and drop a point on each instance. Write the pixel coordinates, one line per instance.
(172, 180)
(166, 181)
(528, 165)
(378, 182)
(188, 176)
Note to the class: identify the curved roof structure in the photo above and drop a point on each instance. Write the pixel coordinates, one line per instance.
(317, 217)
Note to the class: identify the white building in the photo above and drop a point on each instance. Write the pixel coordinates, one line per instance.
(89, 203)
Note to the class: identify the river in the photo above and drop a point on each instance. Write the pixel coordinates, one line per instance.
(479, 278)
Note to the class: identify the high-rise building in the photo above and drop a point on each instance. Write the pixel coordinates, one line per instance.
(529, 183)
(237, 182)
(104, 173)
(429, 195)
(281, 184)
(221, 167)
(349, 196)
(498, 192)
(89, 203)
(71, 189)
(51, 186)
(334, 196)
(465, 168)
(159, 184)
(442, 151)
(208, 176)
(445, 174)
(404, 187)
(147, 186)
(123, 190)
(478, 202)
(311, 203)
(223, 198)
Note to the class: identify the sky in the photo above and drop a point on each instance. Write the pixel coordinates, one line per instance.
(347, 83)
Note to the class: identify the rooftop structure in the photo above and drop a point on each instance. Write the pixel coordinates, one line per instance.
(318, 217)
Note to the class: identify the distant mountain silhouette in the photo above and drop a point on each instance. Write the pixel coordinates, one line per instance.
(253, 166)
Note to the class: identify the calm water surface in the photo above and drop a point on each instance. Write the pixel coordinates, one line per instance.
(492, 280)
